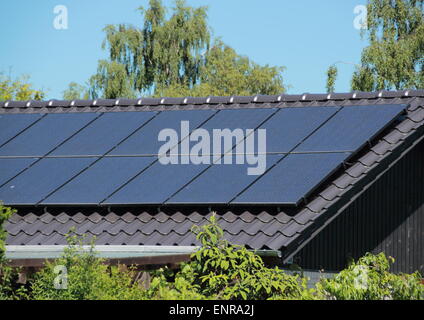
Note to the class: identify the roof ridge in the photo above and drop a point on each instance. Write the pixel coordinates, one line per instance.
(210, 100)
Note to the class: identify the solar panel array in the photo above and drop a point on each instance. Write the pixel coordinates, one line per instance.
(112, 158)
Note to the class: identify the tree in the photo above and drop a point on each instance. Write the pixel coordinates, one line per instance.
(331, 78)
(75, 91)
(227, 73)
(172, 55)
(395, 55)
(18, 89)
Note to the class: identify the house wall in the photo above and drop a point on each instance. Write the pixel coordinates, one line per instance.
(388, 217)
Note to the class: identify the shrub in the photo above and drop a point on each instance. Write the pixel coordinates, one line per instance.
(219, 270)
(370, 279)
(9, 287)
(5, 213)
(86, 277)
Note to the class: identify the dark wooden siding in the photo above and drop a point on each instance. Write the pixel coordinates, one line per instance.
(388, 217)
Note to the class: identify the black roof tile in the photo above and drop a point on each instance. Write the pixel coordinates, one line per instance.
(229, 217)
(318, 204)
(356, 170)
(265, 217)
(128, 217)
(369, 159)
(62, 217)
(283, 218)
(247, 217)
(111, 217)
(331, 192)
(344, 181)
(417, 115)
(382, 147)
(179, 217)
(95, 217)
(144, 217)
(47, 217)
(394, 136)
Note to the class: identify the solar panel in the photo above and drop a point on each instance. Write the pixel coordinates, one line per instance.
(99, 181)
(145, 141)
(318, 139)
(10, 167)
(291, 179)
(156, 184)
(41, 179)
(104, 133)
(13, 124)
(46, 134)
(219, 184)
(289, 126)
(233, 119)
(350, 128)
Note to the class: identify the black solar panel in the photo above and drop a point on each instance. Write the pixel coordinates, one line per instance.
(46, 134)
(104, 133)
(37, 182)
(350, 128)
(233, 119)
(10, 167)
(289, 126)
(156, 184)
(219, 184)
(99, 181)
(13, 124)
(291, 179)
(304, 146)
(145, 141)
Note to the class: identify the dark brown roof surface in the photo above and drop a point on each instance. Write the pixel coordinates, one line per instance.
(268, 228)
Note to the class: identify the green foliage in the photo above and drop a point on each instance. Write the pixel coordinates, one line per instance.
(395, 56)
(370, 279)
(171, 55)
(331, 78)
(5, 213)
(18, 89)
(75, 91)
(88, 278)
(9, 289)
(166, 285)
(219, 270)
(112, 81)
(224, 73)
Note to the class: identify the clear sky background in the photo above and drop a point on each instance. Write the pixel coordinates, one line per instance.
(305, 36)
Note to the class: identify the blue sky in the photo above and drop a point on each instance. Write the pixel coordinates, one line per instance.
(305, 36)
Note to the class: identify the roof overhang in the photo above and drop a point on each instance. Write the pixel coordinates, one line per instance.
(37, 255)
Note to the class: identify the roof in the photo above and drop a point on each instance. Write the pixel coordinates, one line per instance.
(259, 227)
